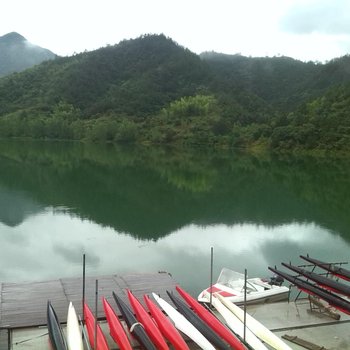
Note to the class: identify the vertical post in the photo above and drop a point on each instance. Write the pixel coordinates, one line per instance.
(211, 276)
(96, 310)
(245, 302)
(83, 301)
(9, 338)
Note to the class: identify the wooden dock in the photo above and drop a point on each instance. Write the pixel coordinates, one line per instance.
(24, 304)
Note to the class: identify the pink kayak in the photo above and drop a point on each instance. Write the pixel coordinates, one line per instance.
(90, 325)
(145, 319)
(166, 327)
(116, 329)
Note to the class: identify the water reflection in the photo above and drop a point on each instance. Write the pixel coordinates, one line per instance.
(51, 244)
(141, 209)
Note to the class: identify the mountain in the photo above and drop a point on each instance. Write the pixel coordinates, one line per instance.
(17, 54)
(151, 89)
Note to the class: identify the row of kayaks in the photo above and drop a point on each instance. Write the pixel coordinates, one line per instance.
(164, 325)
(331, 290)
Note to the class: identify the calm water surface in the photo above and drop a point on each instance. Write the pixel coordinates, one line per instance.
(146, 210)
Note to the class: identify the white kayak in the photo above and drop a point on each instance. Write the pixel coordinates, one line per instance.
(74, 338)
(255, 326)
(182, 324)
(235, 324)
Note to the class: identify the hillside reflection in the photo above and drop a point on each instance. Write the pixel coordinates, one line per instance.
(150, 193)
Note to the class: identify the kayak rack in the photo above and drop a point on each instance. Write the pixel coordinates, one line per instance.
(317, 305)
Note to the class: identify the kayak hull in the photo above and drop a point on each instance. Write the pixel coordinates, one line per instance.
(116, 329)
(322, 281)
(74, 335)
(165, 326)
(183, 325)
(334, 270)
(57, 340)
(309, 288)
(198, 323)
(136, 329)
(90, 325)
(211, 320)
(146, 320)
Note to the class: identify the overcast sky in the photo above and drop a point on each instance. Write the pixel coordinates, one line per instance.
(317, 30)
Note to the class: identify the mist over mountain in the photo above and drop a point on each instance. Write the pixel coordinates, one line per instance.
(17, 54)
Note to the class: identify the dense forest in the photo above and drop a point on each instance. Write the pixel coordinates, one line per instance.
(152, 90)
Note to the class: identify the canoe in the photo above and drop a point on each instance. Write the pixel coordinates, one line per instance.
(255, 326)
(230, 284)
(146, 320)
(333, 269)
(211, 320)
(57, 339)
(165, 326)
(198, 323)
(183, 325)
(74, 338)
(236, 325)
(116, 329)
(322, 281)
(90, 325)
(309, 288)
(135, 328)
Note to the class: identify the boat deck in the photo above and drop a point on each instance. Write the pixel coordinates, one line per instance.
(23, 311)
(24, 304)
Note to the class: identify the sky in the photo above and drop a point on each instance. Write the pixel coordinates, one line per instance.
(316, 30)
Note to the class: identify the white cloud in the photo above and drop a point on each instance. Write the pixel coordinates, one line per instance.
(251, 27)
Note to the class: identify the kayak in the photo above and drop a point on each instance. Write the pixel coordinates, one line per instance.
(211, 320)
(183, 325)
(198, 323)
(116, 329)
(74, 338)
(255, 326)
(309, 288)
(136, 328)
(146, 320)
(322, 281)
(165, 326)
(90, 325)
(57, 340)
(236, 325)
(333, 269)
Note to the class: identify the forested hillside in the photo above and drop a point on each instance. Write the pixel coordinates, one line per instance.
(151, 89)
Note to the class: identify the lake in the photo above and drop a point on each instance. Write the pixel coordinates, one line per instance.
(151, 209)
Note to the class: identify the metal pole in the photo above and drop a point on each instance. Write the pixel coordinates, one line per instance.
(245, 302)
(96, 310)
(211, 276)
(83, 301)
(9, 338)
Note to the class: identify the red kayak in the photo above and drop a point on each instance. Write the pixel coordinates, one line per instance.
(116, 329)
(166, 327)
(145, 319)
(90, 325)
(211, 320)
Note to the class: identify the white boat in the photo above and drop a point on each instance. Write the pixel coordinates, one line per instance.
(255, 326)
(182, 324)
(236, 325)
(74, 338)
(230, 285)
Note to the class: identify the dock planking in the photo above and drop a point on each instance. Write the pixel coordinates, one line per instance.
(24, 304)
